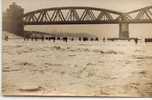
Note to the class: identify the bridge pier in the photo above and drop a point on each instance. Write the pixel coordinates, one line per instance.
(124, 31)
(13, 19)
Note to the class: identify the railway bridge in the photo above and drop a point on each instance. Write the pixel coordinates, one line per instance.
(16, 18)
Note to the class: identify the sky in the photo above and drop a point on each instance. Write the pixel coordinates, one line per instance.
(116, 5)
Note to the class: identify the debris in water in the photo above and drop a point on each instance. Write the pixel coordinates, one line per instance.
(30, 88)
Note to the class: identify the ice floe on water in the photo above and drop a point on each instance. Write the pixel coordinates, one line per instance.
(77, 68)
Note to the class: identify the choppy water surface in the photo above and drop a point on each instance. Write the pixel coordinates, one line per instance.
(119, 68)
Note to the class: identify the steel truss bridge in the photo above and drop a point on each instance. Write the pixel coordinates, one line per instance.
(88, 15)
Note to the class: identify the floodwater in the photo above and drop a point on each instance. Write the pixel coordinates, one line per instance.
(45, 68)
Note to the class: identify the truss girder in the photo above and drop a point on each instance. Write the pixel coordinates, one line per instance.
(86, 15)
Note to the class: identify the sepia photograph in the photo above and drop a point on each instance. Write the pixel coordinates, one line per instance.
(82, 48)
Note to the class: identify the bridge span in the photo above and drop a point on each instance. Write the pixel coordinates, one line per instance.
(76, 15)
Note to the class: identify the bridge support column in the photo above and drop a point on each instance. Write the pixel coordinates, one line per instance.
(13, 19)
(124, 31)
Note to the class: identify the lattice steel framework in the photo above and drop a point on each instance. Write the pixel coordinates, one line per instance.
(86, 15)
(143, 15)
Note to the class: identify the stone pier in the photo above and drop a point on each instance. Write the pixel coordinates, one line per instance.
(124, 31)
(13, 19)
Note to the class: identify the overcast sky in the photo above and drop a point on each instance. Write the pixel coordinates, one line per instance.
(117, 5)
